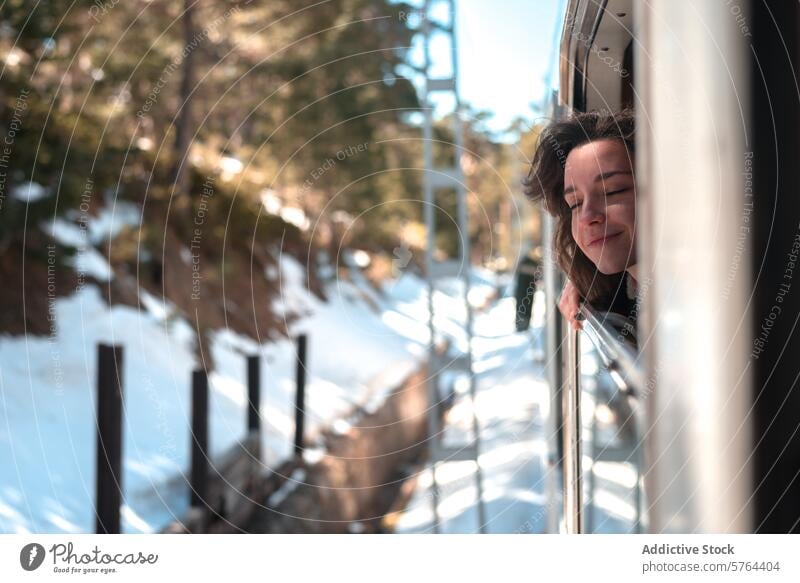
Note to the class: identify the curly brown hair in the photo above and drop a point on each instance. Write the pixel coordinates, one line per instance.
(545, 182)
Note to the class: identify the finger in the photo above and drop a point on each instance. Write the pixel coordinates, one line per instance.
(579, 318)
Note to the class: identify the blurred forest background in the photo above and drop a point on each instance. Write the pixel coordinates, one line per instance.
(237, 131)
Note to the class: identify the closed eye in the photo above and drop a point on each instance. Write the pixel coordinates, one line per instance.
(572, 207)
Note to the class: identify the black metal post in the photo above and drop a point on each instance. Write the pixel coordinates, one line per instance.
(775, 299)
(109, 439)
(254, 393)
(199, 468)
(300, 404)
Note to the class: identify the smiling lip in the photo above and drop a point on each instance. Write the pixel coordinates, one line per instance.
(604, 239)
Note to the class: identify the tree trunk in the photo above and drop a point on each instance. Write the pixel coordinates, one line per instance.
(184, 128)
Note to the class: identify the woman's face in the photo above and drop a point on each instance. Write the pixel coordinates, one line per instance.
(599, 188)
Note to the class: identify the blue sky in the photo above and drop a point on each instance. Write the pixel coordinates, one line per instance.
(505, 51)
(505, 54)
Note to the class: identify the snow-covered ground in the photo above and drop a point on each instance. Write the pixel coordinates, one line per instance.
(361, 344)
(512, 403)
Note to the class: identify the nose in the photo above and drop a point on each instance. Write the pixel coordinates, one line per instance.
(592, 211)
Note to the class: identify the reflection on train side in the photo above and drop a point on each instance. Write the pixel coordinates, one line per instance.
(611, 425)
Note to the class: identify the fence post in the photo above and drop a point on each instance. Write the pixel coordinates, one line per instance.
(300, 404)
(109, 439)
(199, 469)
(254, 393)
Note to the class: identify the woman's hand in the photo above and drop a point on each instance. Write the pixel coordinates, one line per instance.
(569, 303)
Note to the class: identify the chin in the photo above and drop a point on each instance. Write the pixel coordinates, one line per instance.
(612, 259)
(607, 267)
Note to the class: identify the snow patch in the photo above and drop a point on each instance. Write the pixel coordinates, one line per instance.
(356, 356)
(30, 192)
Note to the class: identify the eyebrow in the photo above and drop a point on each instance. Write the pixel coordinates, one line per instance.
(599, 177)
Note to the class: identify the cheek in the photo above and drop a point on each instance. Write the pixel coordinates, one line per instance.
(576, 235)
(631, 217)
(624, 215)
